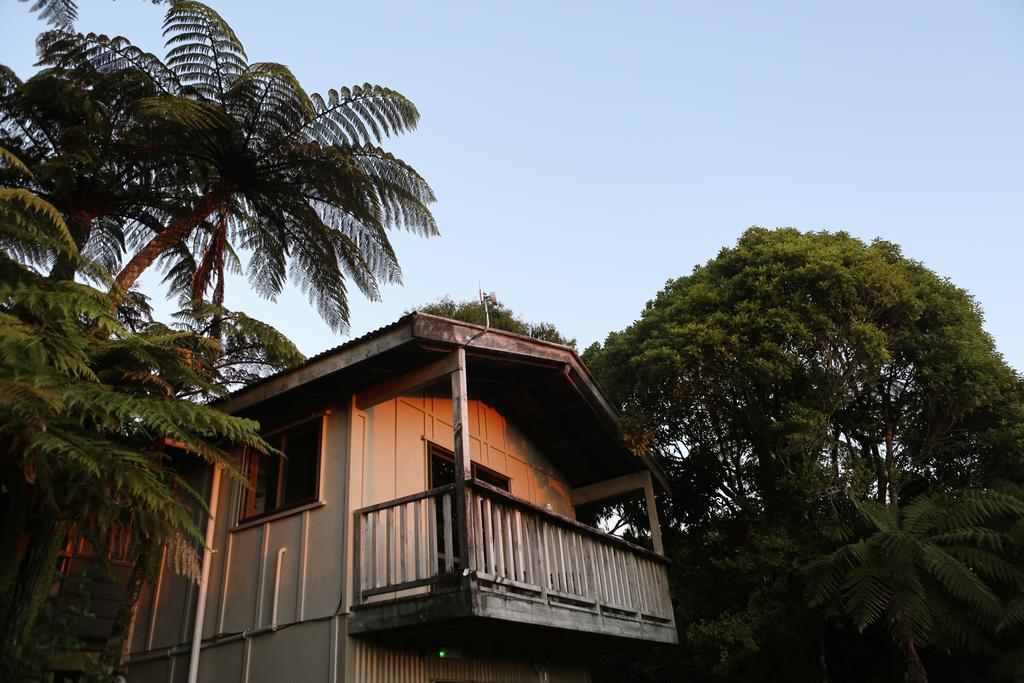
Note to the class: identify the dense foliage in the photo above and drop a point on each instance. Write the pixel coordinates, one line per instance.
(113, 161)
(793, 387)
(501, 317)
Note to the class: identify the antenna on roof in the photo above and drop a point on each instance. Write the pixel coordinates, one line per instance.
(485, 299)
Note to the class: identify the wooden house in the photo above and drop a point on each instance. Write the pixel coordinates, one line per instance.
(421, 526)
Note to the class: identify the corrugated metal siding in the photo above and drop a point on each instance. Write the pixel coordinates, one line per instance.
(378, 664)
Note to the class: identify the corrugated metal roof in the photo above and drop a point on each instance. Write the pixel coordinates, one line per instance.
(323, 354)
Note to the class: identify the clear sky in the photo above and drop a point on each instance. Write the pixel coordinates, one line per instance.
(583, 153)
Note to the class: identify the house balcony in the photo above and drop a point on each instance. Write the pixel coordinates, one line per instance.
(527, 572)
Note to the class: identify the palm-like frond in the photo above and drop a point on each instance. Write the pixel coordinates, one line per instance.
(31, 229)
(62, 13)
(203, 51)
(930, 570)
(307, 191)
(65, 49)
(360, 115)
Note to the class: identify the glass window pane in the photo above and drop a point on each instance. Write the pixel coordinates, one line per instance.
(491, 477)
(263, 477)
(282, 482)
(302, 451)
(442, 468)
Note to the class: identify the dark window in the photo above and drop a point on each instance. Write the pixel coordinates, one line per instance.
(442, 470)
(279, 483)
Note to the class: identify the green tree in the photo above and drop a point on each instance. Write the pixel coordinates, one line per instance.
(297, 180)
(87, 409)
(928, 571)
(501, 317)
(788, 375)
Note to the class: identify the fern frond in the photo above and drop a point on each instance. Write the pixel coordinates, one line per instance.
(12, 161)
(203, 51)
(359, 115)
(62, 13)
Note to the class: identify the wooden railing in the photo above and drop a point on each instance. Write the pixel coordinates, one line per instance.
(517, 548)
(523, 548)
(405, 543)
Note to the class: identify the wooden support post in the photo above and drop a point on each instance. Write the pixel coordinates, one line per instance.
(358, 557)
(652, 515)
(463, 465)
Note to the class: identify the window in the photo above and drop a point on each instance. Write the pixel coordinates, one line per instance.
(442, 470)
(279, 483)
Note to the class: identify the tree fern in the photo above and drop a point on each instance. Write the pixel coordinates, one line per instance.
(301, 175)
(87, 406)
(933, 571)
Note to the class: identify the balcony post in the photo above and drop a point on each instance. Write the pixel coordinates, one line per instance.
(652, 514)
(463, 465)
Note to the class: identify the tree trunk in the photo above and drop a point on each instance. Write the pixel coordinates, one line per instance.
(145, 564)
(162, 241)
(823, 655)
(36, 574)
(890, 470)
(80, 224)
(913, 667)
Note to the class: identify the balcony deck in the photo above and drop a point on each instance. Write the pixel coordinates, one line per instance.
(527, 568)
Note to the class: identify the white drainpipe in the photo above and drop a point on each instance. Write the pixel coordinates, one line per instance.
(204, 581)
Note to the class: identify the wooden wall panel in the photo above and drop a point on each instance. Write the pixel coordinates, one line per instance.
(395, 449)
(241, 583)
(322, 536)
(376, 663)
(410, 428)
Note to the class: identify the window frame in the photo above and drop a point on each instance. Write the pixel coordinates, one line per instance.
(316, 500)
(475, 467)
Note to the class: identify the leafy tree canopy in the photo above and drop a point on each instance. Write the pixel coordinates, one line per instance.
(791, 376)
(502, 318)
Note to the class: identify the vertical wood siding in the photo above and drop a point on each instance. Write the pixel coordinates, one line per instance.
(391, 462)
(378, 664)
(245, 576)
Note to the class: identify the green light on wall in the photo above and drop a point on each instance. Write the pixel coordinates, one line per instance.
(441, 654)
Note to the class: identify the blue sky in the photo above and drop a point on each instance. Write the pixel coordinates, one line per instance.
(585, 153)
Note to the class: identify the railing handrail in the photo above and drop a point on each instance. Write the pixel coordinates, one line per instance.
(436, 491)
(565, 521)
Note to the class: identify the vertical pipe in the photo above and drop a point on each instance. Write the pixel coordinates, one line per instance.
(277, 587)
(204, 580)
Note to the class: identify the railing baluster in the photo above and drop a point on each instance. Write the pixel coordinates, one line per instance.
(389, 546)
(432, 549)
(563, 579)
(642, 584)
(613, 567)
(411, 543)
(634, 573)
(417, 532)
(499, 542)
(543, 559)
(652, 588)
(478, 524)
(521, 549)
(586, 545)
(403, 543)
(620, 563)
(609, 588)
(488, 537)
(574, 583)
(357, 561)
(510, 549)
(374, 520)
(581, 567)
(449, 558)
